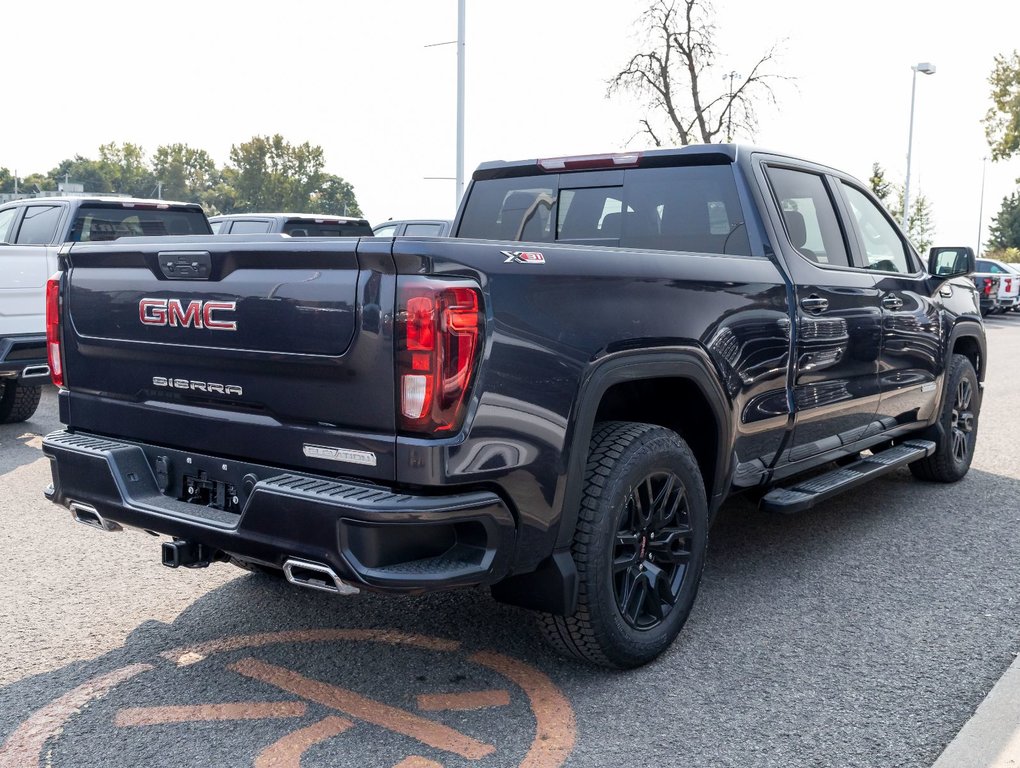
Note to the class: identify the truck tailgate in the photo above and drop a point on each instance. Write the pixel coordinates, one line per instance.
(264, 347)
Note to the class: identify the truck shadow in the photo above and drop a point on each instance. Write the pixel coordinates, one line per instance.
(893, 606)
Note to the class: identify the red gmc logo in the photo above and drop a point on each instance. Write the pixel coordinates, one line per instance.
(197, 314)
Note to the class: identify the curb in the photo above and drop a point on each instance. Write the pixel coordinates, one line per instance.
(991, 738)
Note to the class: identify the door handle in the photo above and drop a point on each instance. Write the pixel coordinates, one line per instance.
(814, 303)
(892, 301)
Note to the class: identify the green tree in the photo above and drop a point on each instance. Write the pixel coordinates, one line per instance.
(879, 185)
(271, 174)
(127, 169)
(689, 95)
(1005, 230)
(335, 196)
(1002, 122)
(920, 226)
(6, 181)
(186, 173)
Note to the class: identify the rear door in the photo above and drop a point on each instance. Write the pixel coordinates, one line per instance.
(27, 259)
(262, 348)
(839, 318)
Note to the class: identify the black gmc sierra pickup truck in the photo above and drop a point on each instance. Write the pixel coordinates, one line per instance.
(553, 403)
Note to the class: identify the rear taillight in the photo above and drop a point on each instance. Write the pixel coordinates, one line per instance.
(988, 286)
(53, 330)
(439, 327)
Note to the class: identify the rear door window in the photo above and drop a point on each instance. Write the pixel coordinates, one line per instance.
(688, 208)
(39, 225)
(249, 227)
(424, 230)
(6, 223)
(809, 216)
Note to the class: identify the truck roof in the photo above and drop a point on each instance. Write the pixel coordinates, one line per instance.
(306, 216)
(691, 154)
(124, 202)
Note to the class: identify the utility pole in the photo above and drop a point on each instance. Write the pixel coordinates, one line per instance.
(460, 101)
(981, 206)
(159, 190)
(15, 181)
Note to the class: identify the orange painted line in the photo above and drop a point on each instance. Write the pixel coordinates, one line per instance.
(242, 710)
(418, 762)
(556, 730)
(439, 702)
(287, 752)
(428, 732)
(193, 653)
(24, 747)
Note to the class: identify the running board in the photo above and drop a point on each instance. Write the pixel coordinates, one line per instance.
(806, 493)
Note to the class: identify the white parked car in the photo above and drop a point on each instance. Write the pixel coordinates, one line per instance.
(1009, 281)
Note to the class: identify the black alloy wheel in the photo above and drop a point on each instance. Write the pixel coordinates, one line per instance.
(962, 420)
(956, 436)
(639, 546)
(653, 549)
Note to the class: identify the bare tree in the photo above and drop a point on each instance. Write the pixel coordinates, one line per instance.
(676, 74)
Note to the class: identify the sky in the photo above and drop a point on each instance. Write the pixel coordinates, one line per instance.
(359, 80)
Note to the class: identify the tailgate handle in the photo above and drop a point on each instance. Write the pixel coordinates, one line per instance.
(185, 265)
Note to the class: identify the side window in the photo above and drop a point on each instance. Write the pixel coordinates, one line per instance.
(883, 248)
(243, 227)
(216, 226)
(6, 220)
(810, 216)
(388, 231)
(39, 224)
(424, 230)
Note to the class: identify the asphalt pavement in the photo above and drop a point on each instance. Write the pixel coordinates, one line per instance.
(863, 633)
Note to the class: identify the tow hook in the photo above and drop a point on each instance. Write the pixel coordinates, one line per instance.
(189, 554)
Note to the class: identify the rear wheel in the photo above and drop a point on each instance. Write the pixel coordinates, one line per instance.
(18, 402)
(639, 547)
(959, 420)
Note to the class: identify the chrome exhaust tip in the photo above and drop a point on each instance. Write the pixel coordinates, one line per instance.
(88, 515)
(302, 573)
(36, 372)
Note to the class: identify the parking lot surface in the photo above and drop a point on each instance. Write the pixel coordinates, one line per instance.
(862, 633)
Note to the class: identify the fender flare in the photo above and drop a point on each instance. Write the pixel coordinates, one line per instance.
(972, 329)
(690, 363)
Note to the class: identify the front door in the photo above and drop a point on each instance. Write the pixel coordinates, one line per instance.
(913, 336)
(25, 264)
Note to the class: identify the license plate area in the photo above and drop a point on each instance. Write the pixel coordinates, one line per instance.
(200, 488)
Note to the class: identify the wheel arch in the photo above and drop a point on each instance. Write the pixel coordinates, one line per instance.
(634, 386)
(968, 339)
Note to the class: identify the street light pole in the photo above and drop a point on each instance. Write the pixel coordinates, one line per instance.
(981, 206)
(927, 69)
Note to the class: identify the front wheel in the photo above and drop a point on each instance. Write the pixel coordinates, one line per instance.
(639, 547)
(959, 420)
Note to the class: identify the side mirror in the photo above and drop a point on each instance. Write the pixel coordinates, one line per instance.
(951, 262)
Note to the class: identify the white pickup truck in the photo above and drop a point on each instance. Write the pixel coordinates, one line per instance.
(31, 233)
(1009, 282)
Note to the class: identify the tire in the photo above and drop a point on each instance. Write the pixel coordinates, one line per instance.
(959, 421)
(634, 593)
(18, 402)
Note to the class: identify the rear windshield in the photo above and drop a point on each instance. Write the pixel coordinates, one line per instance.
(96, 224)
(690, 208)
(301, 228)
